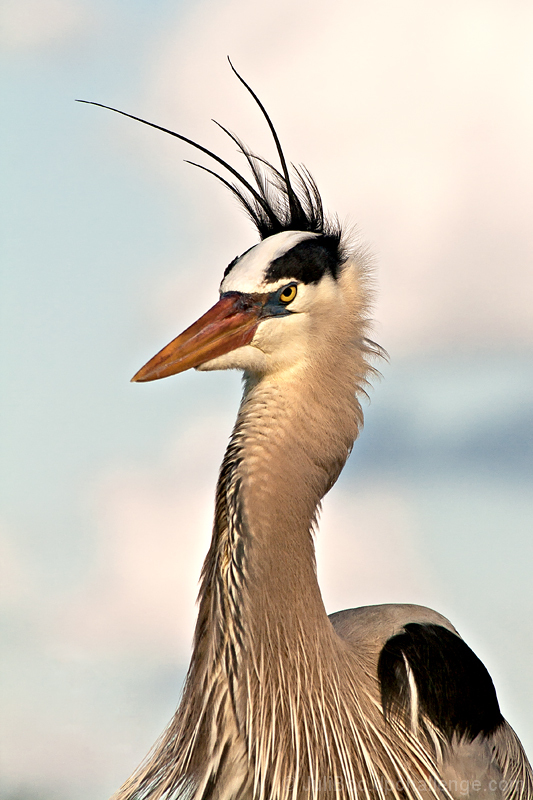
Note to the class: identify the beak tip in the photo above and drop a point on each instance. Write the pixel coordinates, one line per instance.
(138, 377)
(149, 372)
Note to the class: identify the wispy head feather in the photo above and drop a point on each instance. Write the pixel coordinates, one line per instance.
(271, 201)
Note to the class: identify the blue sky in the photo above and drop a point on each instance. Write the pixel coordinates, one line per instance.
(416, 121)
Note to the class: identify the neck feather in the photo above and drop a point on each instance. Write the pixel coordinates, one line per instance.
(261, 612)
(287, 450)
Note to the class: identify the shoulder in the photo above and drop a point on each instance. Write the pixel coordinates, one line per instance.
(423, 668)
(374, 625)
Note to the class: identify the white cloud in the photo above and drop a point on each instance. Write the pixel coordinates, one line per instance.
(368, 550)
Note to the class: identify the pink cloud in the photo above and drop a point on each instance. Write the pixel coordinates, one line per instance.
(154, 527)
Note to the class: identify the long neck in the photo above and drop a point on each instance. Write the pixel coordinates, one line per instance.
(261, 612)
(287, 449)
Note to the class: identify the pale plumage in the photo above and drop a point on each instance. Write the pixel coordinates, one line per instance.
(282, 702)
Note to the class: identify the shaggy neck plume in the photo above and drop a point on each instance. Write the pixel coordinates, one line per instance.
(261, 611)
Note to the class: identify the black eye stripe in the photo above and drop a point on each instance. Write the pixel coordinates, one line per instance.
(307, 261)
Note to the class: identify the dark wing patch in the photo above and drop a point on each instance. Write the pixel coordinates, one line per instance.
(308, 261)
(455, 690)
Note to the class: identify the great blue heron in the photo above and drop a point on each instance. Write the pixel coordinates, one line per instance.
(282, 702)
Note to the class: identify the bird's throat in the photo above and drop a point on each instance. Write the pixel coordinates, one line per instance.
(282, 458)
(261, 611)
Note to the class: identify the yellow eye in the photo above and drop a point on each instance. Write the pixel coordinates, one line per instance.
(288, 294)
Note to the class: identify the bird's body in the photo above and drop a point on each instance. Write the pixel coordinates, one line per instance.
(281, 701)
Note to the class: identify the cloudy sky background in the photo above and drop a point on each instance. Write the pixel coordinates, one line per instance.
(416, 119)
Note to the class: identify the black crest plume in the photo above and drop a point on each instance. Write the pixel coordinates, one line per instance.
(273, 204)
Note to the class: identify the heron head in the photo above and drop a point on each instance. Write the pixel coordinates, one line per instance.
(278, 301)
(273, 296)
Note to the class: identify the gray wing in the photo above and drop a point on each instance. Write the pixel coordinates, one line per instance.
(434, 686)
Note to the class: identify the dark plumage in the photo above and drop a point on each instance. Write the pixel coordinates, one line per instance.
(455, 690)
(308, 261)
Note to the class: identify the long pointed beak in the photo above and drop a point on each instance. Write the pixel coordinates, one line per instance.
(231, 323)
